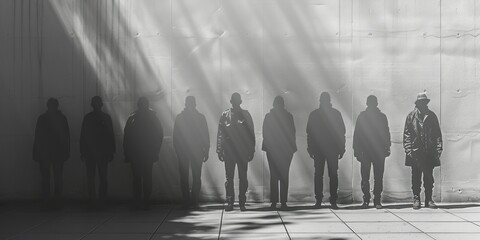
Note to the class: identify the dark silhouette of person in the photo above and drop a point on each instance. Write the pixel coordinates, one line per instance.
(326, 143)
(143, 137)
(97, 147)
(236, 147)
(192, 143)
(422, 141)
(371, 145)
(279, 144)
(51, 148)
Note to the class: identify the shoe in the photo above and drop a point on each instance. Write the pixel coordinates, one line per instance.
(430, 204)
(317, 205)
(243, 208)
(365, 205)
(416, 203)
(333, 205)
(378, 206)
(273, 206)
(284, 206)
(229, 207)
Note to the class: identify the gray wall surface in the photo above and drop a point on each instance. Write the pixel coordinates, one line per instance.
(168, 49)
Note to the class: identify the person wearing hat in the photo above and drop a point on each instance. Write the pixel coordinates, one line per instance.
(279, 144)
(236, 147)
(97, 146)
(326, 144)
(422, 141)
(371, 145)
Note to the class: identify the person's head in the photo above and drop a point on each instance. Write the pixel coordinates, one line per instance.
(325, 98)
(190, 103)
(278, 102)
(52, 104)
(372, 101)
(236, 100)
(143, 104)
(96, 103)
(422, 101)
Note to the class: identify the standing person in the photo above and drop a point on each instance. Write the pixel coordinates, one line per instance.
(279, 144)
(236, 147)
(326, 143)
(51, 148)
(422, 141)
(143, 137)
(371, 145)
(97, 146)
(192, 143)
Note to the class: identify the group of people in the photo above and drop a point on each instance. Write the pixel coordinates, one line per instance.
(143, 136)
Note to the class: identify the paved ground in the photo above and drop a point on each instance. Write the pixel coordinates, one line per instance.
(396, 221)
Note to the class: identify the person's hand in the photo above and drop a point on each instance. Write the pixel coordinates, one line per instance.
(220, 156)
(311, 155)
(340, 155)
(387, 152)
(250, 157)
(205, 157)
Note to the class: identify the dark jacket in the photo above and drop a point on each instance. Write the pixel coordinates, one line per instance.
(279, 132)
(325, 131)
(422, 137)
(52, 138)
(371, 135)
(143, 137)
(236, 134)
(97, 140)
(190, 135)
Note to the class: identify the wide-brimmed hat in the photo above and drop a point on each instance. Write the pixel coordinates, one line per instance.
(422, 97)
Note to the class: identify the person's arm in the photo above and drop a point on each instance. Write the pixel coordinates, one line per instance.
(206, 139)
(310, 143)
(220, 138)
(438, 138)
(251, 134)
(357, 151)
(407, 137)
(265, 132)
(293, 133)
(387, 137)
(342, 136)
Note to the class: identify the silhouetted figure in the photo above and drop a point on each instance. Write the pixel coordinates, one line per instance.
(326, 143)
(279, 144)
(236, 147)
(192, 143)
(51, 148)
(143, 137)
(422, 140)
(97, 146)
(371, 145)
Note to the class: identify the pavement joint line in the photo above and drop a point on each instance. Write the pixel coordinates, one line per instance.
(221, 222)
(411, 225)
(356, 234)
(281, 219)
(96, 227)
(158, 227)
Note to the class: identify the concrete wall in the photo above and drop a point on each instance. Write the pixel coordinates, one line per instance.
(168, 49)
